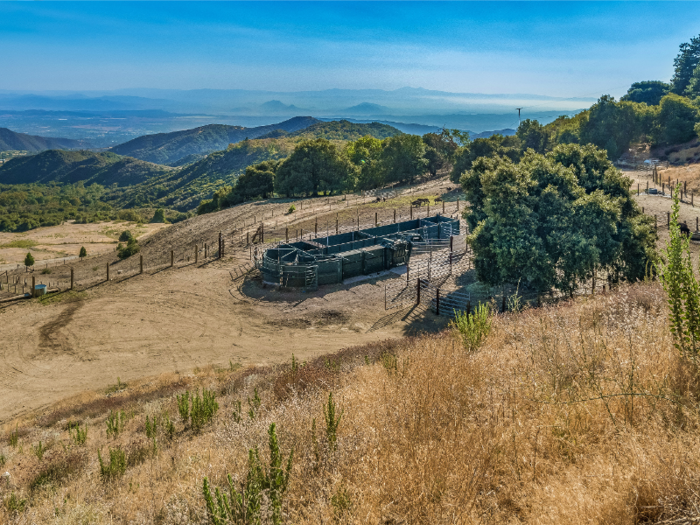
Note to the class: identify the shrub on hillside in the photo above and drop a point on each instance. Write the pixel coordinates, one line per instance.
(132, 247)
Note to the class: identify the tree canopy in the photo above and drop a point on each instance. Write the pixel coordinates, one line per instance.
(315, 165)
(649, 92)
(551, 220)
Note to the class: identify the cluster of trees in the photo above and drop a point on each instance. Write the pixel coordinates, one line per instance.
(319, 166)
(27, 206)
(553, 220)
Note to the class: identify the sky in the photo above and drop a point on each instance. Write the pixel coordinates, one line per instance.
(565, 49)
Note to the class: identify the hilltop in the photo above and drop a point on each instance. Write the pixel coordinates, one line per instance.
(170, 148)
(184, 189)
(12, 141)
(78, 166)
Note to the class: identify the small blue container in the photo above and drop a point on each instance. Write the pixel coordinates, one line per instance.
(40, 289)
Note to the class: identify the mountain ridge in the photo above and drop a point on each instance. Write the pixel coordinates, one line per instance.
(13, 141)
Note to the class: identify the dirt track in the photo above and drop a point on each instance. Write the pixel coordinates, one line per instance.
(176, 319)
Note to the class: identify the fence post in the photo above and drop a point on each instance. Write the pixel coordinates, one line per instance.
(437, 301)
(394, 215)
(33, 286)
(262, 231)
(418, 291)
(71, 278)
(247, 238)
(668, 219)
(647, 186)
(411, 210)
(196, 255)
(443, 207)
(141, 263)
(696, 224)
(336, 224)
(663, 188)
(376, 219)
(206, 250)
(316, 227)
(469, 307)
(107, 271)
(172, 258)
(428, 210)
(637, 188)
(223, 247)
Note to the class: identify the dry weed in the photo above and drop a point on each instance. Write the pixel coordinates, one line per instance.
(581, 413)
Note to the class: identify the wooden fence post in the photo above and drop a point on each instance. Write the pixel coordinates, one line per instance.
(376, 219)
(394, 215)
(411, 210)
(262, 232)
(196, 255)
(637, 188)
(172, 258)
(247, 238)
(140, 263)
(316, 227)
(286, 234)
(469, 307)
(107, 271)
(33, 286)
(668, 219)
(71, 278)
(663, 188)
(437, 301)
(418, 291)
(443, 207)
(696, 224)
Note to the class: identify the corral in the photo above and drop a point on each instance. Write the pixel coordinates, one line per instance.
(332, 259)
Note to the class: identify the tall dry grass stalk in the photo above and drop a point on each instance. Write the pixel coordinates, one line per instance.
(582, 413)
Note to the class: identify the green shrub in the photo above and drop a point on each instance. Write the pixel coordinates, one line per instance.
(682, 287)
(29, 260)
(115, 423)
(79, 437)
(116, 466)
(125, 236)
(203, 409)
(245, 506)
(183, 406)
(132, 247)
(254, 404)
(83, 252)
(159, 216)
(473, 327)
(14, 503)
(39, 451)
(151, 427)
(292, 209)
(46, 271)
(332, 422)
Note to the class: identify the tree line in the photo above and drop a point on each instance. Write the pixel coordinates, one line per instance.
(321, 167)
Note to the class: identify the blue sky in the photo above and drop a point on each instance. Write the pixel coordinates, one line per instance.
(563, 49)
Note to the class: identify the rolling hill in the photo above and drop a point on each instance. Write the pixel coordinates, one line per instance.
(185, 188)
(171, 148)
(79, 166)
(12, 141)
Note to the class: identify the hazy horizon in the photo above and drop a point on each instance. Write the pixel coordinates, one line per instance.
(564, 50)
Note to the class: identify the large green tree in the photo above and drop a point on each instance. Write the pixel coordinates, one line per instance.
(365, 155)
(649, 92)
(403, 158)
(612, 125)
(551, 220)
(533, 135)
(684, 65)
(497, 145)
(315, 165)
(676, 119)
(256, 182)
(440, 149)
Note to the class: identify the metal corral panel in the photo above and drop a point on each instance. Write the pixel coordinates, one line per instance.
(330, 271)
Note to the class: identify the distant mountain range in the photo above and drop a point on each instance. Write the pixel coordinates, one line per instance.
(171, 148)
(9, 141)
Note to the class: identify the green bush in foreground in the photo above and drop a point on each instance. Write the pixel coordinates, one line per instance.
(473, 327)
(262, 481)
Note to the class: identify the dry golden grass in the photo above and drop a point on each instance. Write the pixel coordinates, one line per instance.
(582, 413)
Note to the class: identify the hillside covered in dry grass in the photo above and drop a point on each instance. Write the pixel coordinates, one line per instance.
(578, 413)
